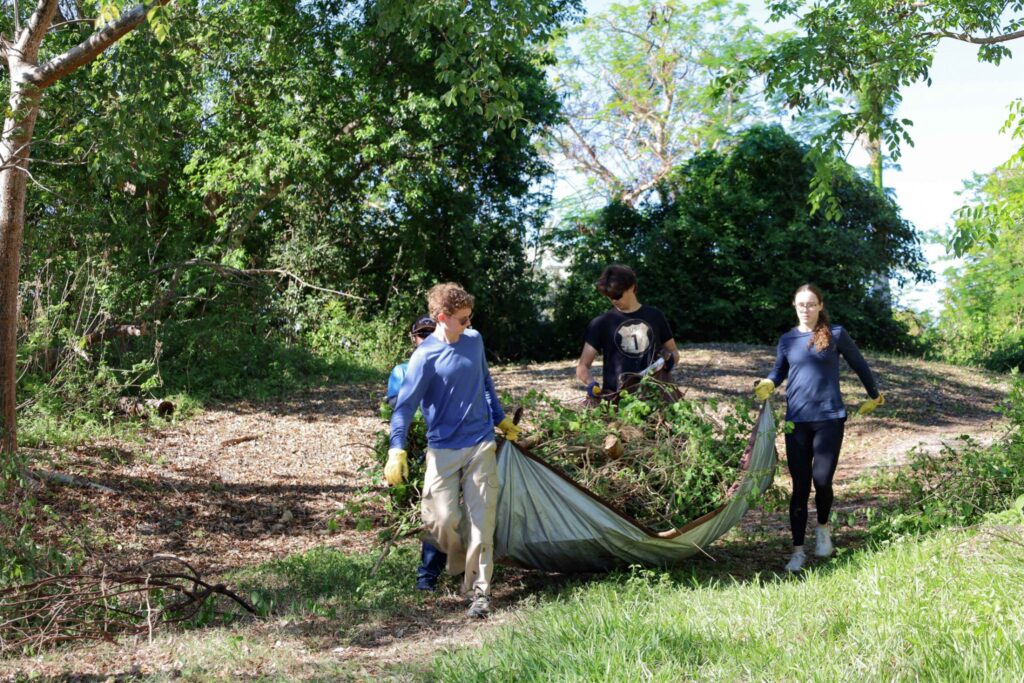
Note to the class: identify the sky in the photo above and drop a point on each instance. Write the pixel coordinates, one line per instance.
(956, 134)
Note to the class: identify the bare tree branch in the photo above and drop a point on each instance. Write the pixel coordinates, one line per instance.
(90, 48)
(982, 40)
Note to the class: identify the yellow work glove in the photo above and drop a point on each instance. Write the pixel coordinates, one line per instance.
(510, 429)
(868, 406)
(764, 389)
(397, 469)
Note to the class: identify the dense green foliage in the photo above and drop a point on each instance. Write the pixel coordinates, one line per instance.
(208, 185)
(724, 254)
(961, 484)
(982, 321)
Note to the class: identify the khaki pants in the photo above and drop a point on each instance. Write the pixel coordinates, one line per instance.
(475, 472)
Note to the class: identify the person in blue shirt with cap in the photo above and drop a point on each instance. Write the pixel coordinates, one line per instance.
(808, 357)
(432, 560)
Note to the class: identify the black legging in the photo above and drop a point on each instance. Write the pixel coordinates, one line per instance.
(812, 451)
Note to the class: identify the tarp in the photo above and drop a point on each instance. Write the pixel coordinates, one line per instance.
(547, 521)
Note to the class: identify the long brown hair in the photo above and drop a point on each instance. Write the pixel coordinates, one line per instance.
(821, 336)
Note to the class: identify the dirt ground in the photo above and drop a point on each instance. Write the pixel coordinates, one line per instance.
(244, 483)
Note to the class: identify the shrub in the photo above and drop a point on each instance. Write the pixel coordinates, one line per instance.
(962, 483)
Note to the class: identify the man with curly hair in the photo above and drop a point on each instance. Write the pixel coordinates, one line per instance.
(449, 380)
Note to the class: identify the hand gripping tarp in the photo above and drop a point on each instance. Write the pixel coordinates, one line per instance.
(546, 521)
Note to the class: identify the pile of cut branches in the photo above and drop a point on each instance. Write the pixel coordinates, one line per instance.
(662, 461)
(106, 604)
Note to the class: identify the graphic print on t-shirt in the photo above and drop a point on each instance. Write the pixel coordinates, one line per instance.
(634, 337)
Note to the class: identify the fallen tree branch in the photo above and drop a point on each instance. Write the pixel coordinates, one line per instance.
(71, 480)
(227, 443)
(245, 273)
(104, 605)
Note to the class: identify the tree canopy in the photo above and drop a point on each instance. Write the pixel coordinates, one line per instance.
(637, 82)
(723, 258)
(982, 320)
(868, 51)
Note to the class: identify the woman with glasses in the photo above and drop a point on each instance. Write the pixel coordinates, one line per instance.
(449, 380)
(808, 357)
(630, 336)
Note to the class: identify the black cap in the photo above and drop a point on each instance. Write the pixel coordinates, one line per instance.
(424, 324)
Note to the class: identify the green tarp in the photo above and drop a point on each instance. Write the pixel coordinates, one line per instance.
(546, 521)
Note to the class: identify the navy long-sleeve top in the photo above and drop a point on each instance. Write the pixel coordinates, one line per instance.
(452, 385)
(813, 394)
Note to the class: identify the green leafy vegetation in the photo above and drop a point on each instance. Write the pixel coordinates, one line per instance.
(961, 484)
(663, 462)
(982, 320)
(722, 257)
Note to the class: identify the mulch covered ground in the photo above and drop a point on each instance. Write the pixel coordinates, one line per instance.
(244, 483)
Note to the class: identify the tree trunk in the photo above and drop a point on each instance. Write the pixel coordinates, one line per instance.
(873, 108)
(23, 108)
(874, 149)
(28, 80)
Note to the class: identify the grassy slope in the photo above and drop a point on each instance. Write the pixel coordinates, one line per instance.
(943, 608)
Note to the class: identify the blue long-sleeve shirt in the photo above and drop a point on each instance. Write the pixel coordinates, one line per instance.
(813, 390)
(395, 380)
(453, 386)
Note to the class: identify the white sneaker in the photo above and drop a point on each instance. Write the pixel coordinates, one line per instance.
(823, 543)
(796, 562)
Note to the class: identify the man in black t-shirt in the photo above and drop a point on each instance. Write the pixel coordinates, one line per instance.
(630, 336)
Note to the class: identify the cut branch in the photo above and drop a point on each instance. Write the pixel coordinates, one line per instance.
(105, 604)
(70, 480)
(264, 272)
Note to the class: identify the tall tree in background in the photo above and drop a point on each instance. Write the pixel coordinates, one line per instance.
(32, 70)
(869, 50)
(637, 84)
(723, 257)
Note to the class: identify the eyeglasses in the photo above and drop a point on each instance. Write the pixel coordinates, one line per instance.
(422, 334)
(806, 304)
(614, 296)
(462, 320)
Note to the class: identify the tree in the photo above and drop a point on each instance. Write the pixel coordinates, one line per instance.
(222, 167)
(30, 76)
(982, 320)
(637, 84)
(868, 51)
(723, 258)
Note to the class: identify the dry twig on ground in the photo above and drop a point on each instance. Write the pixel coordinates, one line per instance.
(104, 605)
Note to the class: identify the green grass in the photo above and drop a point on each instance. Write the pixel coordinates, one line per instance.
(329, 586)
(939, 609)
